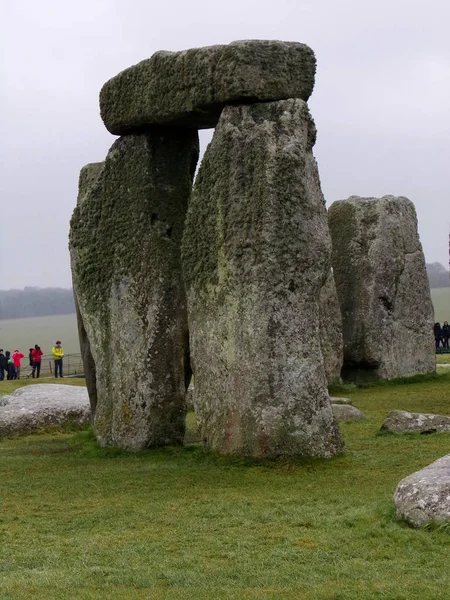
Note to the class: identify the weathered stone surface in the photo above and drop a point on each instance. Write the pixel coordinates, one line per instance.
(402, 421)
(125, 250)
(35, 407)
(340, 400)
(89, 189)
(331, 339)
(424, 496)
(256, 254)
(345, 412)
(382, 285)
(190, 88)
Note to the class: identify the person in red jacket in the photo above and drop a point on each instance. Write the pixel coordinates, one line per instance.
(37, 359)
(16, 360)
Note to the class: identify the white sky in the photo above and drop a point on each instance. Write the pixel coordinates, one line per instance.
(381, 103)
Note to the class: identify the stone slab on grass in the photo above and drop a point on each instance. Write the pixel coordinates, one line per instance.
(190, 88)
(347, 413)
(34, 407)
(402, 421)
(424, 496)
(341, 400)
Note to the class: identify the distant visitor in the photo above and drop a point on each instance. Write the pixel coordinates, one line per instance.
(58, 353)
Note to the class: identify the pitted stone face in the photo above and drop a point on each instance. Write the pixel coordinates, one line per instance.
(191, 88)
(256, 254)
(125, 243)
(383, 290)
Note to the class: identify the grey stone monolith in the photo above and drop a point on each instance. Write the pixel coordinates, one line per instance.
(89, 190)
(256, 254)
(331, 340)
(125, 248)
(383, 290)
(190, 88)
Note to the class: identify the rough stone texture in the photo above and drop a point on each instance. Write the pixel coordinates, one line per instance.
(383, 290)
(89, 188)
(345, 412)
(125, 247)
(424, 496)
(402, 421)
(256, 253)
(331, 339)
(35, 407)
(341, 401)
(190, 88)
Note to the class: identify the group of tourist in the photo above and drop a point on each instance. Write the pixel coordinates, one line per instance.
(11, 364)
(442, 334)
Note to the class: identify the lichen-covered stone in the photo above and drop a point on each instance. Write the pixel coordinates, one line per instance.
(190, 88)
(335, 400)
(402, 421)
(127, 275)
(424, 496)
(331, 340)
(347, 413)
(89, 189)
(256, 254)
(383, 290)
(44, 406)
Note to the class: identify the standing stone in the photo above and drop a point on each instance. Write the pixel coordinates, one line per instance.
(383, 290)
(127, 276)
(190, 88)
(331, 339)
(89, 192)
(256, 253)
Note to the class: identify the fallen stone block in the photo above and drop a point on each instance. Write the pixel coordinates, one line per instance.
(35, 407)
(424, 496)
(341, 401)
(402, 421)
(190, 88)
(346, 413)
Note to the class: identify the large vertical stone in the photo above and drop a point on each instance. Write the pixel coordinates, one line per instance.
(331, 339)
(89, 205)
(127, 277)
(256, 253)
(382, 284)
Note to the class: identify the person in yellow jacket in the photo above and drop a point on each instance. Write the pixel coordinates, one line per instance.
(58, 353)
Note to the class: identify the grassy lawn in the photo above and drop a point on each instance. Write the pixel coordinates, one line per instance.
(80, 522)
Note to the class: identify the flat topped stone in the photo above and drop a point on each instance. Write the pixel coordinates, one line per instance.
(424, 496)
(42, 405)
(402, 421)
(190, 88)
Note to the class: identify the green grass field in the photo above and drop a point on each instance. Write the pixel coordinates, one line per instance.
(25, 333)
(79, 522)
(441, 303)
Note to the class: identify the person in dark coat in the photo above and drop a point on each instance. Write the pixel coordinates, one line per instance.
(445, 334)
(437, 334)
(3, 365)
(11, 368)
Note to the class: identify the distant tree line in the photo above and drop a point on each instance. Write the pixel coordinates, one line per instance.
(438, 275)
(35, 302)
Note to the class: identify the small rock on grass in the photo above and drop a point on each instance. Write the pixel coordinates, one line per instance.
(346, 413)
(402, 421)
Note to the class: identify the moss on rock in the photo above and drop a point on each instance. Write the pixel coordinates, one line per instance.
(190, 88)
(126, 238)
(256, 254)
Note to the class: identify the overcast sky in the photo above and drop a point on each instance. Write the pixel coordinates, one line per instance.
(381, 103)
